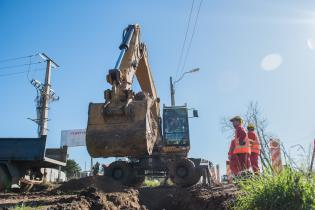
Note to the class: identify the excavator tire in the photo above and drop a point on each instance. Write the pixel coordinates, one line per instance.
(137, 178)
(184, 173)
(120, 171)
(4, 178)
(136, 182)
(196, 176)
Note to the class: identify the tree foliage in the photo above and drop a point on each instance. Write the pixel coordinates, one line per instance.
(72, 169)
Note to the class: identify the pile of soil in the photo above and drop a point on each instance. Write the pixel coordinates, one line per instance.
(197, 197)
(91, 199)
(97, 192)
(100, 183)
(104, 193)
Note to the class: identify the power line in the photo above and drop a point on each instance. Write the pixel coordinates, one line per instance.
(184, 43)
(29, 68)
(192, 36)
(17, 58)
(19, 72)
(20, 65)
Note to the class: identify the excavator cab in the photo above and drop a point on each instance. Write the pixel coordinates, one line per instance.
(175, 129)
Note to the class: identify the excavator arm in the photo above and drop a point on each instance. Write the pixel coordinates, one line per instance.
(132, 60)
(127, 123)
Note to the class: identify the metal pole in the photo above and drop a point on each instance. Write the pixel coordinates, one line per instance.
(172, 92)
(43, 121)
(91, 166)
(59, 174)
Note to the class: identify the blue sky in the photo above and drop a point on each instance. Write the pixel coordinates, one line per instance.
(231, 40)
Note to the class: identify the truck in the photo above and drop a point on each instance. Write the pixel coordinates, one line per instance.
(21, 159)
(130, 124)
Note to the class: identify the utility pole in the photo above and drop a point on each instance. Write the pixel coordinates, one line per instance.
(43, 121)
(46, 94)
(172, 92)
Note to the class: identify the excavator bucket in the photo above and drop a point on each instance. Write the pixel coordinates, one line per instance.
(131, 134)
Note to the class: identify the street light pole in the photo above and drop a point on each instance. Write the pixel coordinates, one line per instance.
(172, 92)
(172, 84)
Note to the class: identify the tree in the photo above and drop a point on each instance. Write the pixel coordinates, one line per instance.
(72, 169)
(253, 115)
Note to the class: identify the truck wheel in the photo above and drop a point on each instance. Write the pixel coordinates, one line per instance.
(120, 171)
(184, 173)
(4, 178)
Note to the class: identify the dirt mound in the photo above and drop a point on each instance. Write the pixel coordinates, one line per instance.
(197, 197)
(91, 199)
(104, 193)
(100, 183)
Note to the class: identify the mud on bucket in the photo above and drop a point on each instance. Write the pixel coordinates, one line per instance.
(120, 135)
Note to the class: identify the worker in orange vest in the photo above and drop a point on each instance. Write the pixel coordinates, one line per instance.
(233, 159)
(255, 147)
(242, 146)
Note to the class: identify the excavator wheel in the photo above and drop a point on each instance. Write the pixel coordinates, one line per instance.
(137, 178)
(4, 178)
(120, 171)
(136, 181)
(184, 173)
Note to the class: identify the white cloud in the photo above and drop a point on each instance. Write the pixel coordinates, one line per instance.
(271, 62)
(310, 43)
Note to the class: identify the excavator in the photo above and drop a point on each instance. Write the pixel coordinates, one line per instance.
(130, 124)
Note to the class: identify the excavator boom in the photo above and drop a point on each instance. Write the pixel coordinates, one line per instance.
(127, 123)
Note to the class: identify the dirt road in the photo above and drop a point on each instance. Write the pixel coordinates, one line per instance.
(101, 193)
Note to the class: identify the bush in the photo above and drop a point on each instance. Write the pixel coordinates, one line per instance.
(72, 169)
(151, 183)
(288, 190)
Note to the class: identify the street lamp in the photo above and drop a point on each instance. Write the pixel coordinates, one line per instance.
(172, 84)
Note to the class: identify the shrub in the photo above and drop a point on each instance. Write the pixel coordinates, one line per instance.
(151, 183)
(287, 190)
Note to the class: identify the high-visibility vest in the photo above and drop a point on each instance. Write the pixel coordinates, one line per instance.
(241, 149)
(254, 146)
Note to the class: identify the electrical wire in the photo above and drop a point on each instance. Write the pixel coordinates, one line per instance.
(192, 36)
(28, 69)
(20, 65)
(17, 58)
(184, 43)
(19, 72)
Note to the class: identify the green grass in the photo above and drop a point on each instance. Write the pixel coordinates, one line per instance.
(151, 183)
(289, 190)
(27, 208)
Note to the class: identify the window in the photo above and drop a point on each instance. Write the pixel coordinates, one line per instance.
(176, 130)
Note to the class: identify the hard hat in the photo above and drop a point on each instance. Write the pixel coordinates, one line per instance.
(236, 118)
(250, 126)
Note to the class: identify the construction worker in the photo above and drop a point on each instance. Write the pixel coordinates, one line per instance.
(96, 168)
(255, 147)
(233, 161)
(242, 146)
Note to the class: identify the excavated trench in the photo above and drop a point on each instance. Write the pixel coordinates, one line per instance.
(103, 193)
